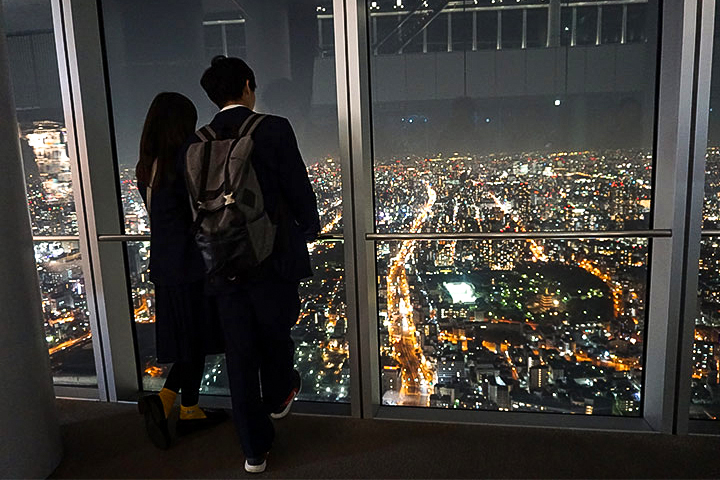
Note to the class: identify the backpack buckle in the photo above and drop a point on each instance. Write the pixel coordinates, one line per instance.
(229, 200)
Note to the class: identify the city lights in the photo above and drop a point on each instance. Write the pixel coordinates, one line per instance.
(534, 325)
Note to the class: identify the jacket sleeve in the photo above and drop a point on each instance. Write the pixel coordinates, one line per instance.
(295, 183)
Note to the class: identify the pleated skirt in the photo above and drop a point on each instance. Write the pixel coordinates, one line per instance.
(187, 326)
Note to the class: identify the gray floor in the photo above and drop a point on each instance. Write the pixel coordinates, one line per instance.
(108, 441)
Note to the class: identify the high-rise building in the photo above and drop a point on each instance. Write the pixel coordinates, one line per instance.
(539, 377)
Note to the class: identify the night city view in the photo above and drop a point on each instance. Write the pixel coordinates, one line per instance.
(62, 285)
(706, 348)
(540, 325)
(528, 325)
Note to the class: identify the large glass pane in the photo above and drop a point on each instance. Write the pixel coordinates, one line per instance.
(65, 313)
(320, 333)
(523, 325)
(705, 387)
(551, 138)
(43, 141)
(548, 138)
(290, 46)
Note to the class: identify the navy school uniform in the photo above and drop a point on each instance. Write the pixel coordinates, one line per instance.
(187, 326)
(258, 311)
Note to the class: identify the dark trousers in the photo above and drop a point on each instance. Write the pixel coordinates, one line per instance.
(256, 321)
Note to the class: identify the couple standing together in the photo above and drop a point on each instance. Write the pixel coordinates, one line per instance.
(246, 314)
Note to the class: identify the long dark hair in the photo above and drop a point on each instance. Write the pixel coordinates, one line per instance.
(168, 124)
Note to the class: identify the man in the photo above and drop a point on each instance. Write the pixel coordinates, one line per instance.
(258, 311)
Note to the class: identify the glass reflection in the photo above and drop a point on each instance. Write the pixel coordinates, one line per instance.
(289, 45)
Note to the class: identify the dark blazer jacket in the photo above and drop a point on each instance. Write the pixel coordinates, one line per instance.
(288, 195)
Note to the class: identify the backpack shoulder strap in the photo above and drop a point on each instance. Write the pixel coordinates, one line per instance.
(206, 134)
(150, 187)
(250, 124)
(202, 187)
(205, 169)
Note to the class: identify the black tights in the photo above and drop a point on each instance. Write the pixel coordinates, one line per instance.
(185, 377)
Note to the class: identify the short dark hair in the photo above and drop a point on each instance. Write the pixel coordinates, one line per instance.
(226, 78)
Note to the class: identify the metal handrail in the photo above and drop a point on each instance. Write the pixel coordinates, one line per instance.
(124, 238)
(56, 238)
(325, 237)
(660, 233)
(657, 233)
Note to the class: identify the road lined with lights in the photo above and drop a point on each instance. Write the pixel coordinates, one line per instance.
(417, 375)
(70, 343)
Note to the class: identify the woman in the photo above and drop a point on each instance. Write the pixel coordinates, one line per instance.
(185, 322)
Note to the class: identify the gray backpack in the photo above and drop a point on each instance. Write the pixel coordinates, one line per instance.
(231, 227)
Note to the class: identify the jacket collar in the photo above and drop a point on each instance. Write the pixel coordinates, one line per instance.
(229, 117)
(234, 105)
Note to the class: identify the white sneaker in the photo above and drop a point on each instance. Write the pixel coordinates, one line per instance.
(256, 465)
